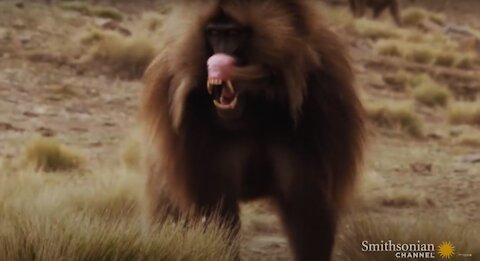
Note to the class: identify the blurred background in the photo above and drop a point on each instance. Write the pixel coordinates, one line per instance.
(70, 183)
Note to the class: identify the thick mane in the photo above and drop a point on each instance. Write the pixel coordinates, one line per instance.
(276, 42)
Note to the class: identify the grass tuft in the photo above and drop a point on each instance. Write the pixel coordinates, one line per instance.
(91, 10)
(389, 48)
(413, 16)
(420, 54)
(152, 20)
(46, 154)
(395, 116)
(430, 94)
(131, 54)
(375, 30)
(466, 62)
(437, 18)
(445, 59)
(464, 113)
(405, 198)
(131, 153)
(470, 140)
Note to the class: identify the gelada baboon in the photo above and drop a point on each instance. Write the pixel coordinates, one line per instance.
(358, 8)
(253, 99)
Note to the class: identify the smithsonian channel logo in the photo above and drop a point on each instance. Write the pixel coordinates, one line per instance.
(417, 250)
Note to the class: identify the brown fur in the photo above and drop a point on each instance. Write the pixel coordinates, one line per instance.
(306, 156)
(358, 8)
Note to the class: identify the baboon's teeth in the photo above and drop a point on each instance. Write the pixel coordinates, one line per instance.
(229, 106)
(211, 82)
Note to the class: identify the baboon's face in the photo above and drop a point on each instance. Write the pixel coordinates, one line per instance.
(227, 44)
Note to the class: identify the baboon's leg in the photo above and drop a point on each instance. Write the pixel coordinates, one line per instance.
(352, 5)
(308, 218)
(395, 11)
(308, 221)
(361, 7)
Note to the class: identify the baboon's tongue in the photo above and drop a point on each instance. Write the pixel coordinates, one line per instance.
(220, 66)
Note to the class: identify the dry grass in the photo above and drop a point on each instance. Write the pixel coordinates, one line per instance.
(92, 10)
(419, 54)
(152, 20)
(404, 229)
(400, 198)
(94, 216)
(132, 153)
(430, 94)
(446, 59)
(338, 16)
(375, 30)
(47, 154)
(466, 61)
(413, 16)
(470, 140)
(129, 54)
(464, 113)
(399, 116)
(437, 18)
(404, 80)
(389, 48)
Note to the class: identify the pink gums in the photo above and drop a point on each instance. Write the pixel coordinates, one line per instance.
(220, 66)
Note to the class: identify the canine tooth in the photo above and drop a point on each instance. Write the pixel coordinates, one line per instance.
(230, 86)
(233, 104)
(210, 88)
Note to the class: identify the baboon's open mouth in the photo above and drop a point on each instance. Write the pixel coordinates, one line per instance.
(219, 84)
(223, 92)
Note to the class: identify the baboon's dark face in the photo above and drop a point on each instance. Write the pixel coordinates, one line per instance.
(227, 44)
(238, 86)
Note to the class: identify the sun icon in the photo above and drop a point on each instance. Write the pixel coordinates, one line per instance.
(446, 250)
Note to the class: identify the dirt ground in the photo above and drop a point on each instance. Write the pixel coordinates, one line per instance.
(47, 90)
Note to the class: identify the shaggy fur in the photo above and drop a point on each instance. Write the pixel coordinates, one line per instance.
(302, 146)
